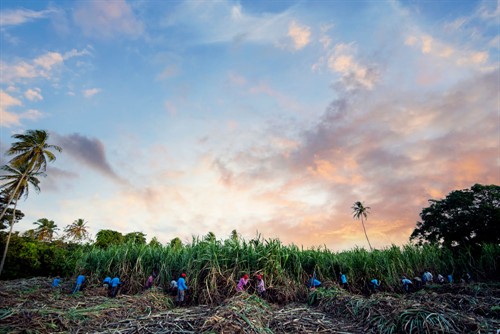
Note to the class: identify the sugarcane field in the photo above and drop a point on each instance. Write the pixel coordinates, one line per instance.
(304, 291)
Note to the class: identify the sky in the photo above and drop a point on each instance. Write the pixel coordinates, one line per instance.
(179, 118)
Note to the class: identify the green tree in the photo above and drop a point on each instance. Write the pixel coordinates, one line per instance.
(31, 153)
(7, 218)
(77, 230)
(359, 211)
(154, 242)
(468, 217)
(46, 229)
(234, 235)
(136, 238)
(104, 238)
(176, 243)
(16, 184)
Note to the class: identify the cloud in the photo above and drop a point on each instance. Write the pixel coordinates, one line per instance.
(353, 74)
(41, 66)
(389, 148)
(88, 93)
(89, 151)
(20, 16)
(33, 94)
(430, 46)
(300, 35)
(7, 119)
(226, 22)
(107, 19)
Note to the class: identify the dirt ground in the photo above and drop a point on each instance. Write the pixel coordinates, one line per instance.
(33, 306)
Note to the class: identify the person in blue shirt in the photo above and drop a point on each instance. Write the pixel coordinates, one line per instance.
(181, 289)
(80, 280)
(314, 283)
(343, 280)
(374, 284)
(450, 278)
(56, 281)
(106, 282)
(114, 286)
(407, 284)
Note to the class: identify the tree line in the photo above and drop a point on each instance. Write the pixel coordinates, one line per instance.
(465, 218)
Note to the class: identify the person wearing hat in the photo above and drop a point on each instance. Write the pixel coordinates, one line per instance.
(261, 288)
(242, 283)
(181, 288)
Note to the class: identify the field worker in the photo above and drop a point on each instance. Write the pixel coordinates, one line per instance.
(80, 280)
(407, 284)
(181, 288)
(106, 282)
(173, 287)
(450, 278)
(150, 281)
(374, 284)
(343, 280)
(56, 281)
(418, 282)
(440, 279)
(428, 276)
(242, 283)
(114, 287)
(314, 283)
(261, 289)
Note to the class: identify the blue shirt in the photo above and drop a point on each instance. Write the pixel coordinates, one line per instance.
(375, 282)
(343, 279)
(181, 284)
(107, 280)
(80, 279)
(115, 282)
(55, 282)
(314, 282)
(406, 281)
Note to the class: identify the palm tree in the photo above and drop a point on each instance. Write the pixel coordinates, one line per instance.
(16, 185)
(31, 150)
(46, 229)
(77, 230)
(361, 211)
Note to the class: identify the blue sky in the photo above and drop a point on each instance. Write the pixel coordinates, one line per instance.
(177, 118)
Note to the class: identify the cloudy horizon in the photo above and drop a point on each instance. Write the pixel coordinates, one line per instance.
(187, 117)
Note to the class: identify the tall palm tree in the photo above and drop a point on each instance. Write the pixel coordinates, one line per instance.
(361, 211)
(77, 230)
(17, 182)
(46, 229)
(32, 151)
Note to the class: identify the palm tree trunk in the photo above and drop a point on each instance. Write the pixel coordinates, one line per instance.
(366, 235)
(8, 238)
(11, 197)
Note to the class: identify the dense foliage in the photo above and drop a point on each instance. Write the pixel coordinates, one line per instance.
(468, 217)
(28, 257)
(214, 266)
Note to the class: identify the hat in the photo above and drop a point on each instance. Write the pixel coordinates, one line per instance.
(183, 275)
(245, 276)
(259, 276)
